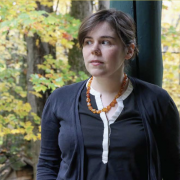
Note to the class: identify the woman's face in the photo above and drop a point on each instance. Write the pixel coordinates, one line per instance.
(103, 52)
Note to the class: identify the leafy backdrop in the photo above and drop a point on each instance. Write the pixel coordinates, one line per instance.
(36, 32)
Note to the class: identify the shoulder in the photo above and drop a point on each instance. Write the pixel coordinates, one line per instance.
(152, 96)
(148, 89)
(69, 88)
(67, 92)
(64, 98)
(155, 100)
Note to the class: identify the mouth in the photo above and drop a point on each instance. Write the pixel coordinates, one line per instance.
(96, 62)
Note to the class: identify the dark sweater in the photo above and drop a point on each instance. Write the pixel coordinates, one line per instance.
(126, 147)
(62, 147)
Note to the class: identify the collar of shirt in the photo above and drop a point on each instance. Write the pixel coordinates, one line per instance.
(107, 123)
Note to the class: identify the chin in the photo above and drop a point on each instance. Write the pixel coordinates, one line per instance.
(97, 74)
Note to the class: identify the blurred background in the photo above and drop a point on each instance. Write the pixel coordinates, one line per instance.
(39, 53)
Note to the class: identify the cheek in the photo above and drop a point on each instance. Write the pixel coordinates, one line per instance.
(84, 53)
(85, 57)
(120, 53)
(114, 54)
(117, 58)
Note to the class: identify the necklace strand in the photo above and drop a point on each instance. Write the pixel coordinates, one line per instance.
(112, 104)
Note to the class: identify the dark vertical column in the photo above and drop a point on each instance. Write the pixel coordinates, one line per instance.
(147, 15)
(125, 6)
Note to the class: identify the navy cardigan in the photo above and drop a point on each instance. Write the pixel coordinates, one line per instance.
(62, 148)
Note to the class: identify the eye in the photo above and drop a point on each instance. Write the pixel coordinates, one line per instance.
(87, 42)
(106, 42)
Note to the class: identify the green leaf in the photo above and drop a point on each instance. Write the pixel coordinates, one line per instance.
(2, 159)
(1, 65)
(50, 20)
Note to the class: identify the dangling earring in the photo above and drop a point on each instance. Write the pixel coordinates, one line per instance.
(127, 56)
(130, 51)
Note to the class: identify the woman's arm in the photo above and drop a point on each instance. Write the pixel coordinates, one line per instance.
(169, 143)
(49, 159)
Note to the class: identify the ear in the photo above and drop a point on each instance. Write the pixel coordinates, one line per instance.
(130, 51)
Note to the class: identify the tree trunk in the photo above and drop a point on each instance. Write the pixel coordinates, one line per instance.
(104, 5)
(79, 10)
(34, 57)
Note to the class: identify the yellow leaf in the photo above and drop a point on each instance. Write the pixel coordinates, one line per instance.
(15, 131)
(2, 48)
(2, 134)
(36, 94)
(28, 123)
(39, 128)
(39, 136)
(37, 42)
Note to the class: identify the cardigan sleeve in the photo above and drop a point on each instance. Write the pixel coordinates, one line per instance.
(49, 159)
(169, 143)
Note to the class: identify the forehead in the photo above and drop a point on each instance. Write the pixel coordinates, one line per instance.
(103, 29)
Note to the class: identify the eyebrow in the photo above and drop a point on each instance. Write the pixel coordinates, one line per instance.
(107, 37)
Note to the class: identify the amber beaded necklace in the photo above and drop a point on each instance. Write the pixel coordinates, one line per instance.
(112, 104)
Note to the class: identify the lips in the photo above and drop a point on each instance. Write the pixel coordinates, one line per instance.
(96, 62)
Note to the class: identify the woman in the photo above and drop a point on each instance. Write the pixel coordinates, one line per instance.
(109, 127)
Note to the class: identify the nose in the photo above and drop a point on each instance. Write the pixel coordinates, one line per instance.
(95, 50)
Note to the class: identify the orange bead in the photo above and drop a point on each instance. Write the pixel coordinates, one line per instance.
(88, 100)
(90, 108)
(112, 104)
(114, 101)
(104, 110)
(93, 110)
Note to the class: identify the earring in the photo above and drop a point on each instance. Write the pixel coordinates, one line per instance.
(128, 56)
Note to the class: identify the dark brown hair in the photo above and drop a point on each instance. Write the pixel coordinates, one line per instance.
(121, 22)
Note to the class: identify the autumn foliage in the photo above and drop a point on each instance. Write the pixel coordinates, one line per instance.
(171, 49)
(20, 19)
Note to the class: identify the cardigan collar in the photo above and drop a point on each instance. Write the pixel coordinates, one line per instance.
(153, 171)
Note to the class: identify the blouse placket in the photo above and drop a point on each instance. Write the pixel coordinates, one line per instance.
(106, 122)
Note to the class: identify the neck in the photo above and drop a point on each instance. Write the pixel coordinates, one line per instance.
(107, 84)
